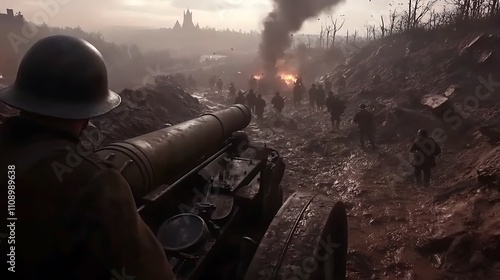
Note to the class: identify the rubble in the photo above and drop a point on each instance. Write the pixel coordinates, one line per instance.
(487, 175)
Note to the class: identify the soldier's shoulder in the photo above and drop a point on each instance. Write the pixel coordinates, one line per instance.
(77, 162)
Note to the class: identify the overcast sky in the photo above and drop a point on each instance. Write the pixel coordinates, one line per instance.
(234, 14)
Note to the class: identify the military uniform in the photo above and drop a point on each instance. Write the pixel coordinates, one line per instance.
(260, 104)
(425, 150)
(278, 102)
(240, 98)
(336, 108)
(76, 216)
(366, 125)
(251, 98)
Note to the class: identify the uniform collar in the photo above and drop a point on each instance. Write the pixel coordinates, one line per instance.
(21, 130)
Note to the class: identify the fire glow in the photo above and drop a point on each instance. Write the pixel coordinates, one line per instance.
(288, 78)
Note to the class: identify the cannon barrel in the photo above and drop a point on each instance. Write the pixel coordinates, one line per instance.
(155, 158)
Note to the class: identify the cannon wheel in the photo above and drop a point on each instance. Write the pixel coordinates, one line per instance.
(306, 240)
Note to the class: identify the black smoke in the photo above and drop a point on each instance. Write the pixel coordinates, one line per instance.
(287, 18)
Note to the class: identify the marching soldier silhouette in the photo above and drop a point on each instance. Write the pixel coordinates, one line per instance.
(425, 149)
(76, 214)
(278, 102)
(336, 108)
(364, 120)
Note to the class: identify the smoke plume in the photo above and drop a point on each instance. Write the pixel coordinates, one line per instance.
(287, 18)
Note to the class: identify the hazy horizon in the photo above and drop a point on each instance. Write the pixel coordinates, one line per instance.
(220, 14)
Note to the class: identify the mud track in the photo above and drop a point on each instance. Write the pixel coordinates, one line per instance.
(387, 214)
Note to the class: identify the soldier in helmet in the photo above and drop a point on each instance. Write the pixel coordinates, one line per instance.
(424, 149)
(240, 98)
(278, 102)
(260, 105)
(366, 125)
(76, 214)
(336, 108)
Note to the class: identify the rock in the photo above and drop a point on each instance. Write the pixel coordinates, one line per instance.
(436, 103)
(451, 91)
(477, 260)
(144, 110)
(490, 132)
(481, 42)
(459, 252)
(488, 57)
(487, 175)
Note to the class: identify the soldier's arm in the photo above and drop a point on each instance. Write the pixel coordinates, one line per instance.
(131, 246)
(356, 118)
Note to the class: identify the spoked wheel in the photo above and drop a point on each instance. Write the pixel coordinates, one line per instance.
(306, 240)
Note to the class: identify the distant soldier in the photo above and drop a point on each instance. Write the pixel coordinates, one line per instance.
(312, 97)
(278, 102)
(364, 120)
(220, 83)
(83, 223)
(328, 85)
(252, 83)
(320, 98)
(298, 92)
(424, 149)
(260, 104)
(232, 91)
(336, 108)
(251, 98)
(240, 98)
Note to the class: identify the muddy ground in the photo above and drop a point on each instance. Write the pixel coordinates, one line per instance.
(396, 229)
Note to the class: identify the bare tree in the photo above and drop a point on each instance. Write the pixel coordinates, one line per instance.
(392, 21)
(382, 26)
(328, 30)
(335, 28)
(417, 10)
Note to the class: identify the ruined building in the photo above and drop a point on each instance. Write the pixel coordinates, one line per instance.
(187, 23)
(9, 22)
(10, 18)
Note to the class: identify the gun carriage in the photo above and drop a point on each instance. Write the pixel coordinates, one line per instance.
(216, 204)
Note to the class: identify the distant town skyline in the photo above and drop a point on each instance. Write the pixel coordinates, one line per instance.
(242, 15)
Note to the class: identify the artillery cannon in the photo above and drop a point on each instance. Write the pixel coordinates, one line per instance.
(215, 202)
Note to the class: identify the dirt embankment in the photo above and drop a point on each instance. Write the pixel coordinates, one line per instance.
(397, 230)
(447, 84)
(142, 110)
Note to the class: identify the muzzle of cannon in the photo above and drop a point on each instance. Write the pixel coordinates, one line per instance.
(215, 202)
(152, 159)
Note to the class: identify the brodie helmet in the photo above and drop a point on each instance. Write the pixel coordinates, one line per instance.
(62, 77)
